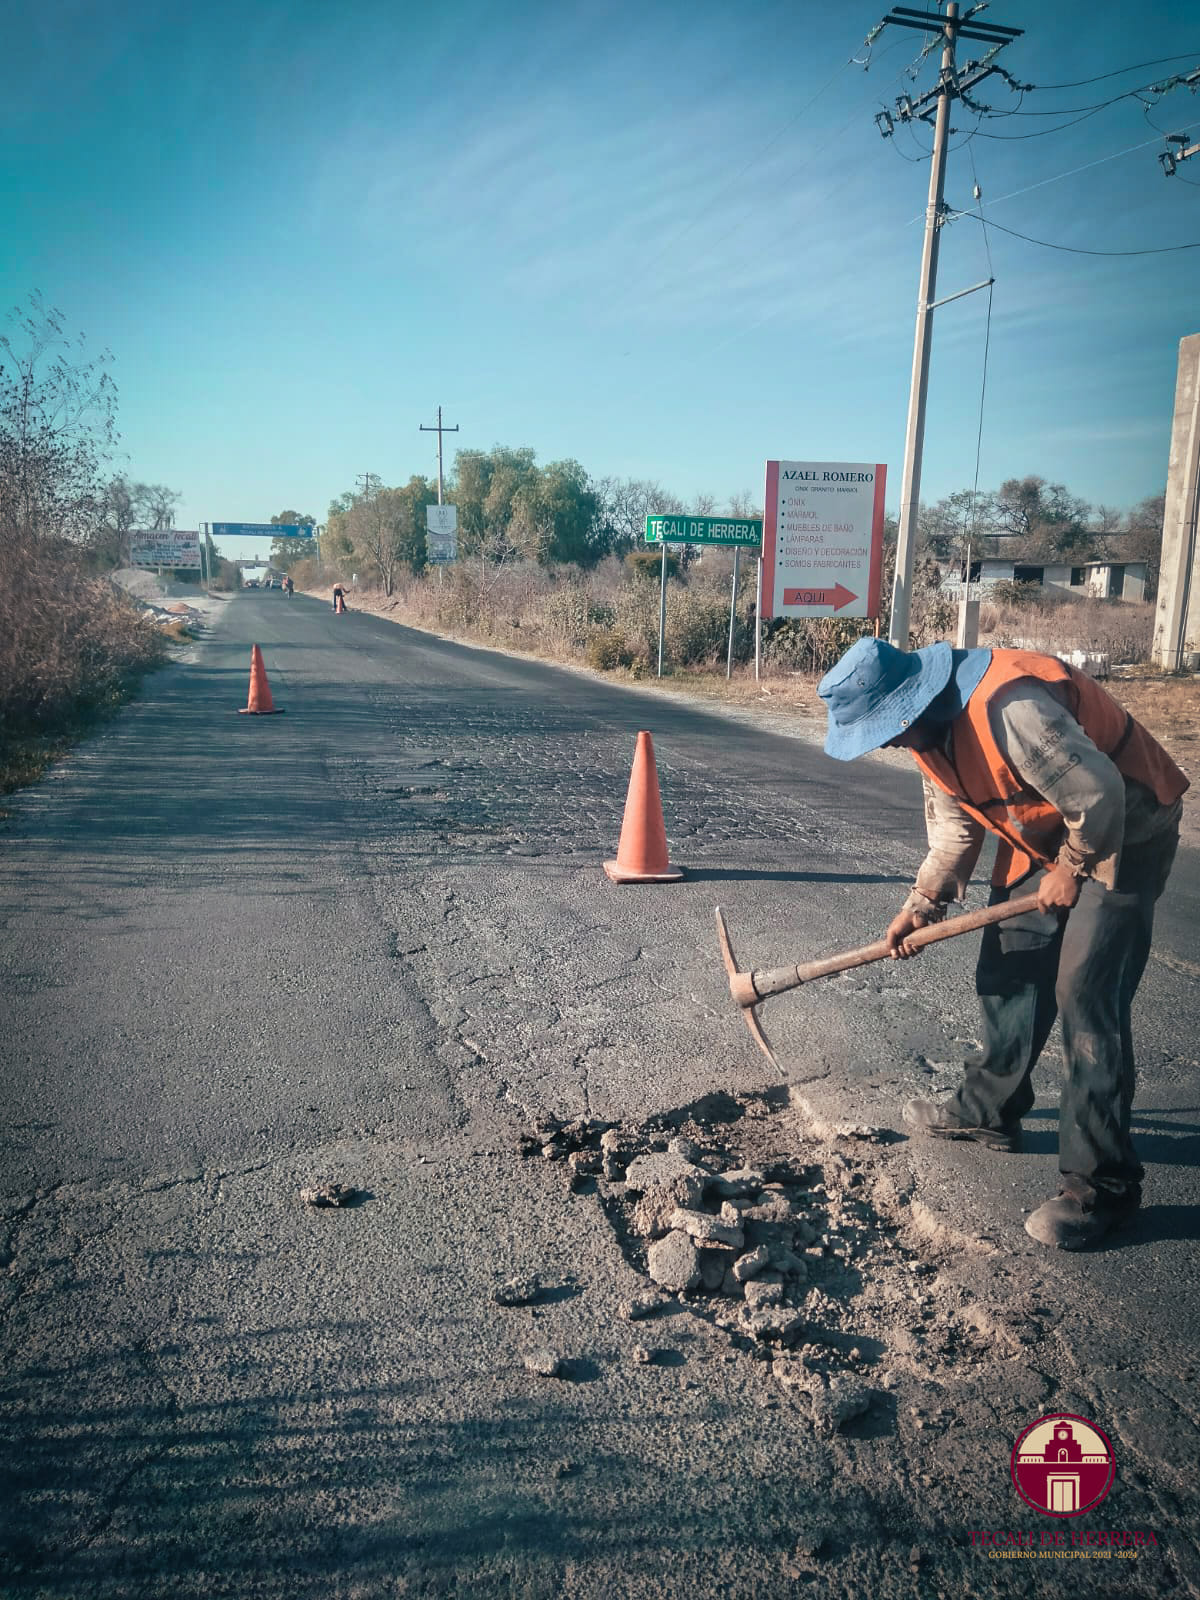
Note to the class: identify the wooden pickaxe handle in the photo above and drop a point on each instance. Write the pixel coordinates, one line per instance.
(748, 988)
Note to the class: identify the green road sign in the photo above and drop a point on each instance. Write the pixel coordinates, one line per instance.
(704, 530)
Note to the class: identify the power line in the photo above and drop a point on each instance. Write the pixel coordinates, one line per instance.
(1042, 133)
(1076, 250)
(1101, 105)
(1057, 178)
(1160, 61)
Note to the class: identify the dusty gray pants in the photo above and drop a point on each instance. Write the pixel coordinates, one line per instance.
(1084, 968)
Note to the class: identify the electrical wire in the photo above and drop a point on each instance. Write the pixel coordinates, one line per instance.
(986, 241)
(1160, 61)
(1013, 193)
(1076, 250)
(1059, 127)
(987, 340)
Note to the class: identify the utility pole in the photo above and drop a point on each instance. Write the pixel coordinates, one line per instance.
(366, 479)
(439, 430)
(950, 86)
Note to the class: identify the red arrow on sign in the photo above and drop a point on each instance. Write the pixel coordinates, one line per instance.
(837, 597)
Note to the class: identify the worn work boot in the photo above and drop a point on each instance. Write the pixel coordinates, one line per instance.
(1069, 1223)
(926, 1116)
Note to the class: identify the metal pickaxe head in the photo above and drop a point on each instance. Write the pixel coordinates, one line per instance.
(741, 987)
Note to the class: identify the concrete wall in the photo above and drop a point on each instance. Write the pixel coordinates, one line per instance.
(1058, 577)
(1177, 619)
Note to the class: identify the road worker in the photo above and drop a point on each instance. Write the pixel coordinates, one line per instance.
(1086, 807)
(339, 597)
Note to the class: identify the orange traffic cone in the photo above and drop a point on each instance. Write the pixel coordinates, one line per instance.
(260, 703)
(642, 852)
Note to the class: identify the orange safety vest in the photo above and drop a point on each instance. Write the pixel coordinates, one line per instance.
(977, 775)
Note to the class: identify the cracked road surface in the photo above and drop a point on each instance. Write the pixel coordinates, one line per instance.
(369, 942)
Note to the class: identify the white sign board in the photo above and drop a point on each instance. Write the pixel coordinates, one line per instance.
(441, 519)
(823, 538)
(164, 547)
(441, 539)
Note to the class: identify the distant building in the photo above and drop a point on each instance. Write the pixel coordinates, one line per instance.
(1093, 580)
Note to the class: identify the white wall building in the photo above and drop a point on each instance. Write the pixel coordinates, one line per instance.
(1093, 580)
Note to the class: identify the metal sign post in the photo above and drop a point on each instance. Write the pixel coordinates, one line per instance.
(735, 531)
(662, 608)
(737, 551)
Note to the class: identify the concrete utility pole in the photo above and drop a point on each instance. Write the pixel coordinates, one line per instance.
(1177, 617)
(439, 430)
(366, 479)
(949, 87)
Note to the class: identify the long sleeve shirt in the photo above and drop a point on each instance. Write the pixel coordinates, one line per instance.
(1048, 750)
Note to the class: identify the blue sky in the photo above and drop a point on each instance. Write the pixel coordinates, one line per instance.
(665, 239)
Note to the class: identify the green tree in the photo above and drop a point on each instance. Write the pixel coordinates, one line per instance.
(286, 552)
(387, 529)
(557, 511)
(494, 523)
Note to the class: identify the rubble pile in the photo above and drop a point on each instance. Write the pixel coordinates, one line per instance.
(807, 1251)
(771, 1249)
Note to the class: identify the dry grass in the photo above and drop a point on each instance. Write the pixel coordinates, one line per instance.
(1118, 629)
(1169, 707)
(71, 647)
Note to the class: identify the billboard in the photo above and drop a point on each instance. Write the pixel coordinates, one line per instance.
(164, 547)
(823, 538)
(441, 539)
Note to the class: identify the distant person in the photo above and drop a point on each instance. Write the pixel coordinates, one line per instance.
(288, 586)
(339, 597)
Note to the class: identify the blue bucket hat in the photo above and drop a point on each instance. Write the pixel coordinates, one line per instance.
(875, 692)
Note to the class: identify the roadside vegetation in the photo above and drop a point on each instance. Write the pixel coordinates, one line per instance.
(72, 644)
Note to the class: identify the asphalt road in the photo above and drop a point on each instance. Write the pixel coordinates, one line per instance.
(369, 940)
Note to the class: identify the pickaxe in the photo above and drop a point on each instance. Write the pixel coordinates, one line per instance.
(749, 989)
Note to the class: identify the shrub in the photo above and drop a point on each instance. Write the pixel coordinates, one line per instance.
(647, 564)
(697, 626)
(811, 644)
(606, 650)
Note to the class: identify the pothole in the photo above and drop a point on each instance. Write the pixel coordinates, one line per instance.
(806, 1251)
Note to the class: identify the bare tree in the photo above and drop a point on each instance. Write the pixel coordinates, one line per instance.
(625, 503)
(57, 427)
